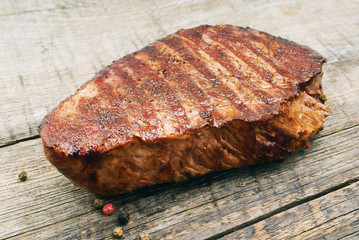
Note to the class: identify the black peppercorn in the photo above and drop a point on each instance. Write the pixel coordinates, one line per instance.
(123, 217)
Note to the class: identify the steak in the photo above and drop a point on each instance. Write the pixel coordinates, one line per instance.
(199, 100)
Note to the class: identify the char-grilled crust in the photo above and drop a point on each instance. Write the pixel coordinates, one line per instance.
(208, 77)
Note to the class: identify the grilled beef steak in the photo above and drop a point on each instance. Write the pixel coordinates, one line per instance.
(197, 101)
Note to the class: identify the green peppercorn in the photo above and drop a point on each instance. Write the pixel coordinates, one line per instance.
(98, 203)
(118, 232)
(22, 176)
(123, 217)
(144, 236)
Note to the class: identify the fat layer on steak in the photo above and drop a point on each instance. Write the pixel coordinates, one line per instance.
(199, 100)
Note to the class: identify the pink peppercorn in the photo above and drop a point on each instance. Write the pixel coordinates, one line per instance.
(108, 209)
(307, 145)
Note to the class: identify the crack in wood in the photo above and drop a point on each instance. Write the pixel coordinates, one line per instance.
(19, 141)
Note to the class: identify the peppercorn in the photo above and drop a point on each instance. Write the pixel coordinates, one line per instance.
(22, 176)
(307, 145)
(144, 236)
(123, 217)
(108, 209)
(98, 203)
(118, 232)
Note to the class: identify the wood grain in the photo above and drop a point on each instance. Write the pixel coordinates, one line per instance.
(48, 49)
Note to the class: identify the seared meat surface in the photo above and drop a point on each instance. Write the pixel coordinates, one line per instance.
(199, 100)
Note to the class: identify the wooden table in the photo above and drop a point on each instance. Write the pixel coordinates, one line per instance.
(49, 48)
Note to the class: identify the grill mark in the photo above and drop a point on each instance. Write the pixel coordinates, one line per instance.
(222, 36)
(264, 41)
(205, 83)
(304, 65)
(145, 108)
(220, 57)
(149, 56)
(211, 61)
(251, 47)
(268, 96)
(100, 116)
(285, 71)
(263, 72)
(167, 93)
(122, 127)
(175, 44)
(186, 83)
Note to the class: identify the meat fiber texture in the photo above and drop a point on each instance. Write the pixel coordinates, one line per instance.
(199, 100)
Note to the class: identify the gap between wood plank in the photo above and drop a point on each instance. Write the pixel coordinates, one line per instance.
(20, 140)
(334, 132)
(350, 234)
(326, 222)
(284, 208)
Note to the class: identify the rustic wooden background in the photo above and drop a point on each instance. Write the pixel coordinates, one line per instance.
(49, 48)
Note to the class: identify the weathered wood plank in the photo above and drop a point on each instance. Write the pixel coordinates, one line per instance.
(333, 216)
(49, 50)
(48, 206)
